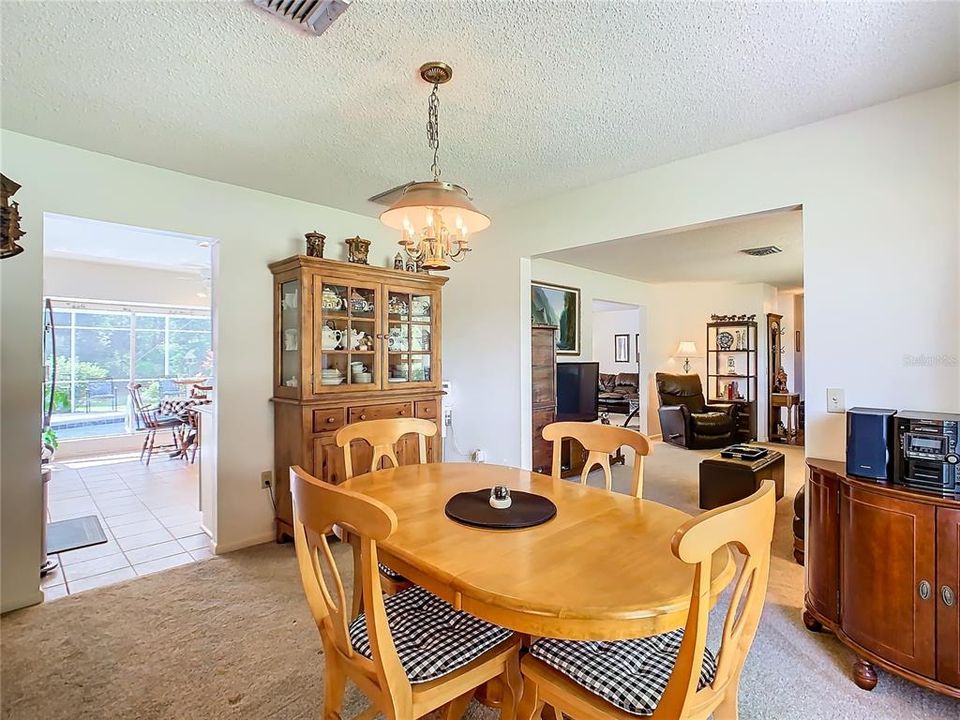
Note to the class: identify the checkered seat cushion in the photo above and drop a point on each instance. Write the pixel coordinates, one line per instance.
(391, 573)
(432, 639)
(630, 674)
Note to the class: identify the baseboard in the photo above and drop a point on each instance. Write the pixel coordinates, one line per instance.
(223, 548)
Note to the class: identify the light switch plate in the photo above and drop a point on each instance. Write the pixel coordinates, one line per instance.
(835, 402)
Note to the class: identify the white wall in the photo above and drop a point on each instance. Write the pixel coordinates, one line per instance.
(251, 229)
(607, 324)
(879, 190)
(67, 277)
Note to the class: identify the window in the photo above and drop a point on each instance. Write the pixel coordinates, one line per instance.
(101, 349)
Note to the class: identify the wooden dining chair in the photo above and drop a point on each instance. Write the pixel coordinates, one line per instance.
(680, 678)
(382, 436)
(599, 441)
(382, 651)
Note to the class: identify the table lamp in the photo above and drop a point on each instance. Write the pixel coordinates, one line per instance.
(686, 349)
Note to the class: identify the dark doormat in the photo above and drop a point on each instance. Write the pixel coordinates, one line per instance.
(74, 533)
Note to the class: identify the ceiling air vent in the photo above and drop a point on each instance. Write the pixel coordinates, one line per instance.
(761, 251)
(312, 15)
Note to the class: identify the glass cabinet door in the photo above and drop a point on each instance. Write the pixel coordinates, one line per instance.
(347, 322)
(411, 327)
(289, 307)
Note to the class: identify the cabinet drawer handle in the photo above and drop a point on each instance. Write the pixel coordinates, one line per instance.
(403, 412)
(363, 416)
(924, 589)
(331, 419)
(948, 595)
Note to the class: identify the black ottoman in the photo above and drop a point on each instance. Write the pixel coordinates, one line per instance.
(726, 480)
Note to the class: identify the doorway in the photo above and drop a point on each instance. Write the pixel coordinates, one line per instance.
(617, 329)
(740, 267)
(129, 368)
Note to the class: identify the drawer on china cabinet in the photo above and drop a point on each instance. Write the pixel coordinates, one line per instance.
(328, 420)
(359, 413)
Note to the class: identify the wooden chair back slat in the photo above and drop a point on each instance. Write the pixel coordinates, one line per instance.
(382, 436)
(746, 525)
(318, 506)
(600, 441)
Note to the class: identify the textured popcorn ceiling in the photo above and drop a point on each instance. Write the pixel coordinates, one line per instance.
(546, 96)
(709, 253)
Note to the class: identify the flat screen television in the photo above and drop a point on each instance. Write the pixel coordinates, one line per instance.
(577, 390)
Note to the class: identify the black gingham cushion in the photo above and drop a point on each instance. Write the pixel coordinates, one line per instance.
(432, 639)
(630, 674)
(390, 572)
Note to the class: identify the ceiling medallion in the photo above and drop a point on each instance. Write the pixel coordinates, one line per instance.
(435, 218)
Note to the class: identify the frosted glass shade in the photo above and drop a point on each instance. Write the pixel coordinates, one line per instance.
(449, 200)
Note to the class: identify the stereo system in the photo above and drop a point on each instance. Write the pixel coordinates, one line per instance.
(914, 449)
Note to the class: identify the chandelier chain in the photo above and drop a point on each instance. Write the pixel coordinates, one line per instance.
(433, 130)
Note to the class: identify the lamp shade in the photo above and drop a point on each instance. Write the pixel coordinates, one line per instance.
(686, 348)
(444, 197)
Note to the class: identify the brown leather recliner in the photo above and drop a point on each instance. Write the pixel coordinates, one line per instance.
(686, 419)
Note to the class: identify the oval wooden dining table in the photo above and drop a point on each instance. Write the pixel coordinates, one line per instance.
(601, 569)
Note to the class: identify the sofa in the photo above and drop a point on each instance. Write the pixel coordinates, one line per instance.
(686, 420)
(616, 391)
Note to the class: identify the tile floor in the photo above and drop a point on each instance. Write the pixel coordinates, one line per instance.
(150, 516)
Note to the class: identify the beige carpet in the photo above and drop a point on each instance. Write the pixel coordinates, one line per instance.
(231, 638)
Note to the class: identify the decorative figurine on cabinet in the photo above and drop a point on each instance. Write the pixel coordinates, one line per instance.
(10, 230)
(357, 248)
(398, 262)
(315, 244)
(411, 266)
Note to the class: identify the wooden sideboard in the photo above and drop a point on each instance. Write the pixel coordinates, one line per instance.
(882, 574)
(351, 343)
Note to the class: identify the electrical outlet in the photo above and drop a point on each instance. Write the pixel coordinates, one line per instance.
(448, 416)
(835, 403)
(266, 479)
(480, 456)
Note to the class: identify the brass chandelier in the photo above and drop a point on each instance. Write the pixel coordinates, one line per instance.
(435, 218)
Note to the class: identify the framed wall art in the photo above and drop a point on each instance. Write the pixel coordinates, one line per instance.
(559, 306)
(621, 348)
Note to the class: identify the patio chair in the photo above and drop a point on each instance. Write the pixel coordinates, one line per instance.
(149, 419)
(102, 389)
(169, 389)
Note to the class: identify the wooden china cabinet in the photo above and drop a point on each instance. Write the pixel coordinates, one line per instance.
(351, 343)
(882, 573)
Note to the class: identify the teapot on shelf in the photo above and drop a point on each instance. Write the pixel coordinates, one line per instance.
(356, 338)
(331, 300)
(332, 338)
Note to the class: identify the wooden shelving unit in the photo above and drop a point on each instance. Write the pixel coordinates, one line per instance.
(744, 374)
